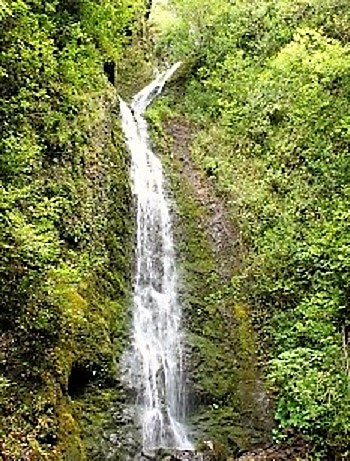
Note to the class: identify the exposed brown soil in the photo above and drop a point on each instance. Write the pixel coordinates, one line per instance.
(226, 243)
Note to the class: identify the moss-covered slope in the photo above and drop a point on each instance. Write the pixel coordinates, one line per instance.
(227, 400)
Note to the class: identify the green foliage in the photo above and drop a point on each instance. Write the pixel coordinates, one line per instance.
(267, 84)
(65, 225)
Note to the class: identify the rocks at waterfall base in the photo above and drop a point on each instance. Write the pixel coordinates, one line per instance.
(271, 453)
(176, 455)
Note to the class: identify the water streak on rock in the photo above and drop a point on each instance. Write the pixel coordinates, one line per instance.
(153, 365)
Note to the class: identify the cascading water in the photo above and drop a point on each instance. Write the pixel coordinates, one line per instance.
(153, 365)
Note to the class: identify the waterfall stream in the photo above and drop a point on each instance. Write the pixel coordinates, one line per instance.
(153, 364)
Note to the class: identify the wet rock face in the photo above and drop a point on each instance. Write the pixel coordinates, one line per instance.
(277, 453)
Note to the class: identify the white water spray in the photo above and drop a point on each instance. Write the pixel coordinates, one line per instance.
(153, 365)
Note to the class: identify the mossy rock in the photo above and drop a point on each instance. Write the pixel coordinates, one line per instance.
(225, 381)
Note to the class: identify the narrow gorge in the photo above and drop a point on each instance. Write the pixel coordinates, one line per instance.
(175, 267)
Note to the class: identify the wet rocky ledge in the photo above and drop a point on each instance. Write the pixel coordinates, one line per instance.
(269, 453)
(176, 455)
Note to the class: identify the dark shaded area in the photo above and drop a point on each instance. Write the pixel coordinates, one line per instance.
(109, 70)
(148, 9)
(80, 376)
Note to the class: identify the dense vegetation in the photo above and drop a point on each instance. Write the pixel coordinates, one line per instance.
(265, 89)
(65, 223)
(266, 86)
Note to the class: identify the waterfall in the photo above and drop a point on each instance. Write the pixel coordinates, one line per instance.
(153, 364)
